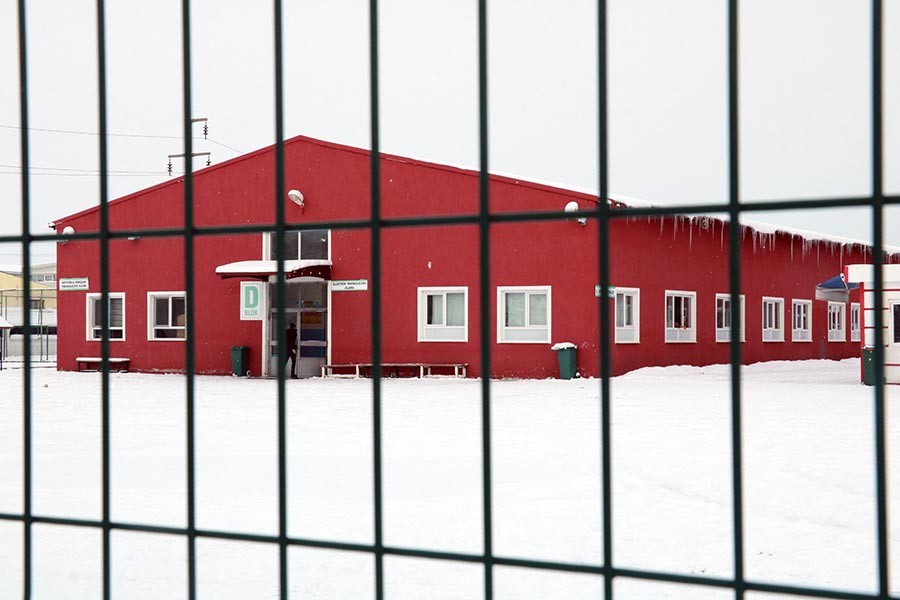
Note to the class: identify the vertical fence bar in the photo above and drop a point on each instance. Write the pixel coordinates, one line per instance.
(104, 292)
(734, 286)
(189, 295)
(878, 256)
(603, 228)
(484, 237)
(26, 314)
(282, 293)
(375, 217)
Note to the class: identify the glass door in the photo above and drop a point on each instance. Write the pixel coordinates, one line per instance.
(313, 326)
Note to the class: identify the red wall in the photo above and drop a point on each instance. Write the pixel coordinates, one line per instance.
(652, 254)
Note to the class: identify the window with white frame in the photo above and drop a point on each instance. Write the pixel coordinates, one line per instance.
(681, 316)
(442, 314)
(115, 316)
(628, 315)
(836, 329)
(724, 316)
(801, 320)
(523, 314)
(772, 319)
(309, 244)
(166, 315)
(854, 321)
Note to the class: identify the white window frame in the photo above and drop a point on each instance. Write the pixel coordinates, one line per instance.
(628, 334)
(773, 332)
(680, 335)
(503, 332)
(89, 317)
(837, 322)
(723, 334)
(801, 334)
(442, 332)
(854, 321)
(151, 316)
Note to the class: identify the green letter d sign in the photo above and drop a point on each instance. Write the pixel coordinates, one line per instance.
(250, 301)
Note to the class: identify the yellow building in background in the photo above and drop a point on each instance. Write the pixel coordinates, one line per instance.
(12, 293)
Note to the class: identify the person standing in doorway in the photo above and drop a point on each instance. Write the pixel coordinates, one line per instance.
(292, 348)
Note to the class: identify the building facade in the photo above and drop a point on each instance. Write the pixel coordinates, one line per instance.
(670, 276)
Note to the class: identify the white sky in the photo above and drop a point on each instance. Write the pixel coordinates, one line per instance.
(805, 98)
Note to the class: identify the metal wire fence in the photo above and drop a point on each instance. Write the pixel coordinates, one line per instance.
(738, 583)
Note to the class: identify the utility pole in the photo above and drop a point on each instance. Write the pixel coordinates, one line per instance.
(205, 122)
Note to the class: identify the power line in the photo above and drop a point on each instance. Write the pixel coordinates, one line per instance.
(126, 135)
(209, 139)
(75, 132)
(126, 171)
(94, 174)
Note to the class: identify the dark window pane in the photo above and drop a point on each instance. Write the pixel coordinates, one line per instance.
(290, 246)
(897, 323)
(178, 311)
(314, 244)
(162, 311)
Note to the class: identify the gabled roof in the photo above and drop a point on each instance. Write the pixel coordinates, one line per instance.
(300, 139)
(755, 227)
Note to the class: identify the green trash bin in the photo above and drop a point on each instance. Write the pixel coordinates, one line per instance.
(868, 358)
(566, 354)
(240, 360)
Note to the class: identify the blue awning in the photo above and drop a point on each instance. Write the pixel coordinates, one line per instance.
(835, 289)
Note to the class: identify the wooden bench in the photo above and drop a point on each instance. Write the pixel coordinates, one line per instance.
(96, 361)
(357, 370)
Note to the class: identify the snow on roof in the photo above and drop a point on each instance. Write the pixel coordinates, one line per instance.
(268, 267)
(766, 228)
(758, 226)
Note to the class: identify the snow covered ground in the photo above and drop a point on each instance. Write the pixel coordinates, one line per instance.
(809, 481)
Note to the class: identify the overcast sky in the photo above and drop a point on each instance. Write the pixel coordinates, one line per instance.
(805, 95)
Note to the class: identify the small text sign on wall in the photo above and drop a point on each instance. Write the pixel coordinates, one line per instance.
(73, 284)
(350, 285)
(612, 291)
(251, 301)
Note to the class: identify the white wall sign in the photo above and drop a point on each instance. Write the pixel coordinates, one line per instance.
(350, 285)
(251, 301)
(612, 291)
(73, 284)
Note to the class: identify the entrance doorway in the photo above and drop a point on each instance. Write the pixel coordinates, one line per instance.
(306, 305)
(892, 347)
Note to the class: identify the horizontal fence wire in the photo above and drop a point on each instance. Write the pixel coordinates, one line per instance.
(604, 213)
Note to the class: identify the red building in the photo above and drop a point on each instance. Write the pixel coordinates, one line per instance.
(670, 276)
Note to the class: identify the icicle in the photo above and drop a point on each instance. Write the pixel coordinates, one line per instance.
(691, 236)
(792, 248)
